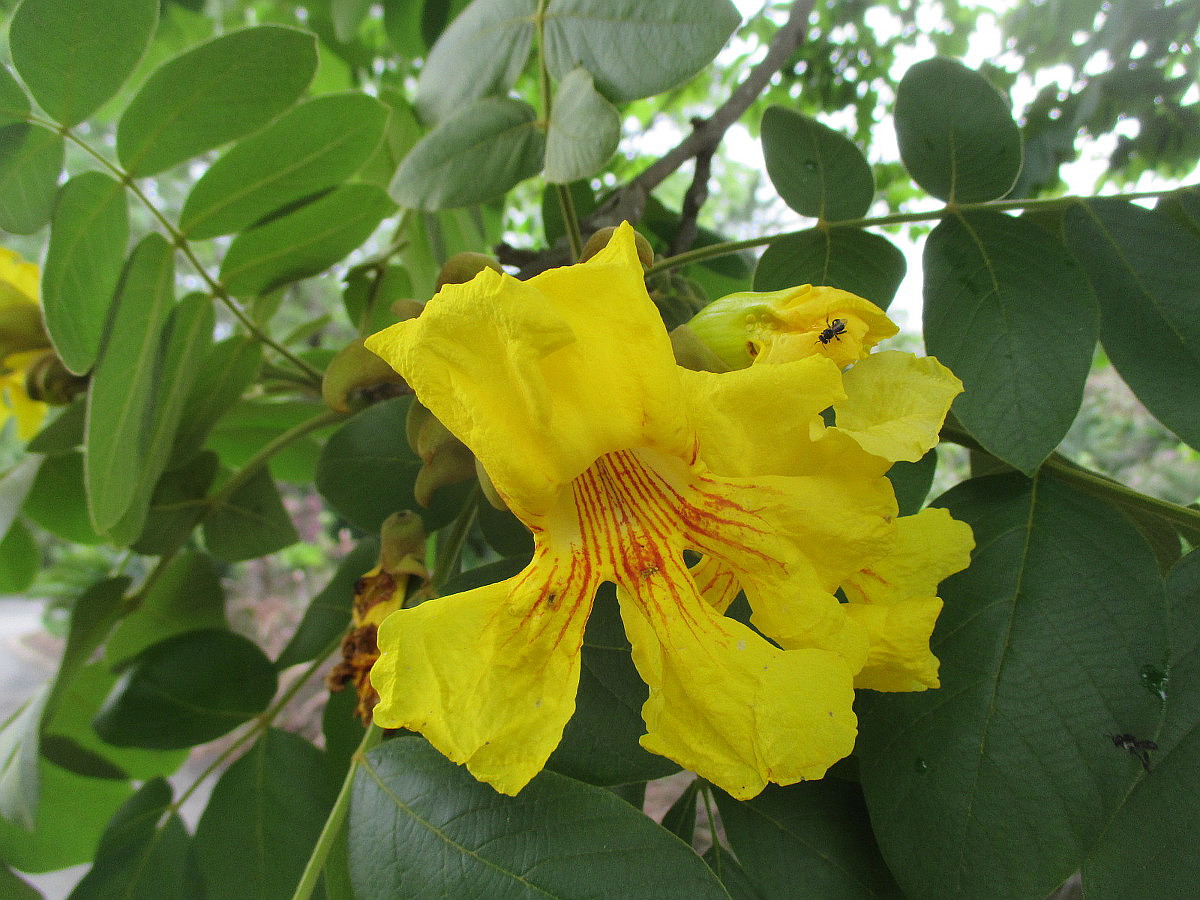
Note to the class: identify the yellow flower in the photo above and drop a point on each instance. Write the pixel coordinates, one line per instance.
(23, 342)
(795, 323)
(618, 460)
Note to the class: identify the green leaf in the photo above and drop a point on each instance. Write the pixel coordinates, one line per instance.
(227, 371)
(421, 826)
(311, 148)
(63, 433)
(860, 262)
(14, 105)
(20, 778)
(504, 532)
(1011, 314)
(582, 199)
(20, 559)
(912, 480)
(733, 879)
(187, 339)
(481, 54)
(252, 522)
(1148, 847)
(600, 743)
(680, 819)
(88, 237)
(16, 888)
(144, 854)
(810, 839)
(71, 817)
(213, 93)
(342, 730)
(402, 132)
(74, 56)
(1042, 642)
(263, 818)
(369, 295)
(58, 501)
(305, 242)
(31, 159)
(957, 136)
(367, 471)
(124, 383)
(635, 49)
(584, 130)
(347, 15)
(74, 757)
(1144, 269)
(327, 617)
(79, 701)
(91, 618)
(474, 155)
(489, 573)
(249, 425)
(817, 171)
(176, 505)
(15, 486)
(187, 690)
(186, 596)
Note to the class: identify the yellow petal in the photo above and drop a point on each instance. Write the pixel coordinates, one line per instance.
(726, 704)
(929, 547)
(541, 378)
(900, 658)
(489, 676)
(896, 403)
(762, 420)
(789, 540)
(716, 582)
(18, 279)
(15, 403)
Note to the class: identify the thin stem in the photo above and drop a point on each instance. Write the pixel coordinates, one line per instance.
(1096, 483)
(337, 817)
(260, 723)
(178, 240)
(629, 201)
(260, 459)
(570, 220)
(1065, 469)
(725, 248)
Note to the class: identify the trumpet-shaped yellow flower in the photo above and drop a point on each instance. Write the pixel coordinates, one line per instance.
(618, 460)
(23, 342)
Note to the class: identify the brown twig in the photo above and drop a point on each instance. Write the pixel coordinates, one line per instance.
(693, 200)
(629, 202)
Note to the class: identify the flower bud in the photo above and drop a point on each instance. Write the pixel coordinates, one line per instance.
(780, 326)
(445, 459)
(378, 594)
(462, 267)
(356, 377)
(600, 239)
(48, 380)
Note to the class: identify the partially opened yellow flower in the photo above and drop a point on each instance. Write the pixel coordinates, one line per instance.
(23, 342)
(618, 460)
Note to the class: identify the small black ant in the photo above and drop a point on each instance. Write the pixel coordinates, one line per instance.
(1138, 747)
(834, 329)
